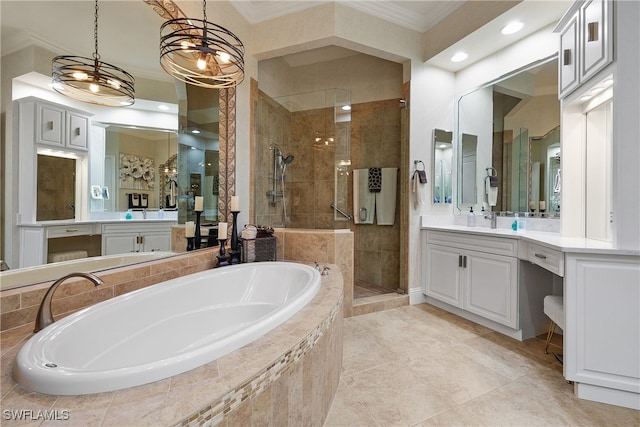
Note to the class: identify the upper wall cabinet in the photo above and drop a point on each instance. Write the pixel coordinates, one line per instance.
(60, 127)
(586, 42)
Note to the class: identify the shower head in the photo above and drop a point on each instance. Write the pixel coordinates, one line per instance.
(287, 159)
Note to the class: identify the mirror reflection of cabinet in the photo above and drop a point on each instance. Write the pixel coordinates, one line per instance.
(442, 163)
(51, 161)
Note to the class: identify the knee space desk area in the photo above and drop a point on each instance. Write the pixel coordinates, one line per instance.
(499, 278)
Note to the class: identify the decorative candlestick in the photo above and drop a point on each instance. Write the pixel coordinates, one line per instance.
(190, 243)
(234, 252)
(197, 230)
(223, 259)
(189, 232)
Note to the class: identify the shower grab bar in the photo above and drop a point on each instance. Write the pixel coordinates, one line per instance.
(343, 213)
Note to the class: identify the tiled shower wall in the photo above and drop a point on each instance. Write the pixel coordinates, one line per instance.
(375, 141)
(310, 179)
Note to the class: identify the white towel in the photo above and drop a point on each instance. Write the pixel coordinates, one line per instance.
(386, 198)
(364, 201)
(419, 191)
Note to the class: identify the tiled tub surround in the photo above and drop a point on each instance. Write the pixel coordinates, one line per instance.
(332, 247)
(287, 377)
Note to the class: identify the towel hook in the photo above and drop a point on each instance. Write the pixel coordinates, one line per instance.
(419, 162)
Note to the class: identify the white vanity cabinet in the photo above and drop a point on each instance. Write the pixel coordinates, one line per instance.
(602, 334)
(476, 274)
(119, 238)
(586, 42)
(61, 127)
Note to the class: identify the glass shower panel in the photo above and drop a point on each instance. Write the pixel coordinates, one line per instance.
(303, 160)
(342, 154)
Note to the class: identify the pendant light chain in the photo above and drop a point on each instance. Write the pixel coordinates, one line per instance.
(96, 55)
(204, 19)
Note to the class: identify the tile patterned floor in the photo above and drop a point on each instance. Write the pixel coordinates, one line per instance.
(421, 366)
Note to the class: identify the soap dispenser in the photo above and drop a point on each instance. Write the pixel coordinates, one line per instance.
(471, 219)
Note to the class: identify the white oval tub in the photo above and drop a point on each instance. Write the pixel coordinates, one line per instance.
(53, 271)
(163, 330)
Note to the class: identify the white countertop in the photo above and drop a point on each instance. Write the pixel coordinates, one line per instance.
(552, 240)
(98, 221)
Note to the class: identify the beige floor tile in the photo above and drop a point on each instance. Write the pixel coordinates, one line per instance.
(457, 375)
(422, 366)
(347, 411)
(455, 417)
(396, 395)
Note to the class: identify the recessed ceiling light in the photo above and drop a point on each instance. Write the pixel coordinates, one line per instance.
(196, 131)
(512, 27)
(346, 108)
(459, 57)
(163, 107)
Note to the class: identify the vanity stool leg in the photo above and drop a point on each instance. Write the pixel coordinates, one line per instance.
(552, 328)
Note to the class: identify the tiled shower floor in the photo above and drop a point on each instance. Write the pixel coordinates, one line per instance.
(421, 366)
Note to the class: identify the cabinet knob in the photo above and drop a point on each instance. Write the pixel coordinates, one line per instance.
(566, 57)
(541, 256)
(77, 131)
(50, 125)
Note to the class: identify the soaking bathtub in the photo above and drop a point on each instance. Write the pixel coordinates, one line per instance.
(163, 330)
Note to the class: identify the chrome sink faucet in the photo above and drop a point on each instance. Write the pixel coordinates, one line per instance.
(493, 218)
(45, 316)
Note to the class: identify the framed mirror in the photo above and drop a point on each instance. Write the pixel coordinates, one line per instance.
(442, 164)
(514, 121)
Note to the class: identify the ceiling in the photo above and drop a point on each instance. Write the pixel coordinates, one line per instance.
(129, 29)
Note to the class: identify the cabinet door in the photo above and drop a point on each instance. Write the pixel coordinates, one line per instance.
(491, 283)
(77, 131)
(50, 125)
(154, 242)
(119, 244)
(596, 40)
(602, 322)
(442, 279)
(568, 65)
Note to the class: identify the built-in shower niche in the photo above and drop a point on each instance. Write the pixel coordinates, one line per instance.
(303, 161)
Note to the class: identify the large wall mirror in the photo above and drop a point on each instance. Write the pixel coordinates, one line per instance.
(139, 169)
(515, 123)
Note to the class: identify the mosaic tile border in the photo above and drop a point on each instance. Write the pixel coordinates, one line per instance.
(218, 410)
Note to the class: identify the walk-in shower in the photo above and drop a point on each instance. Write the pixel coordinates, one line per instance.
(307, 148)
(302, 160)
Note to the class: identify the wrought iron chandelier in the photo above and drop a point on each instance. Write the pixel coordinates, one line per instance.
(91, 80)
(201, 53)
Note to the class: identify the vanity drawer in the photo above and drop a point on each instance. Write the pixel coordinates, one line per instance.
(547, 258)
(69, 230)
(481, 243)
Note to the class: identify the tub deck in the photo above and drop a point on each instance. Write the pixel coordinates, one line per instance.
(304, 353)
